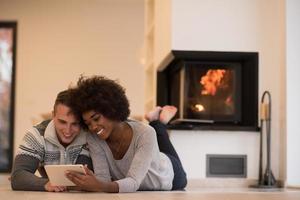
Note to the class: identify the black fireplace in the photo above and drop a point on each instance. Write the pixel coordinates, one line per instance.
(212, 90)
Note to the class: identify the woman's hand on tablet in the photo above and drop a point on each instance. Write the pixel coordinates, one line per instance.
(87, 182)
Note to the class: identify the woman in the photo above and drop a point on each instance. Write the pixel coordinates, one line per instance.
(127, 155)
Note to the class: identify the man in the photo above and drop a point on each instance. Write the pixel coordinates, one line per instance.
(56, 141)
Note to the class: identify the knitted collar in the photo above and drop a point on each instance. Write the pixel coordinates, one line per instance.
(50, 135)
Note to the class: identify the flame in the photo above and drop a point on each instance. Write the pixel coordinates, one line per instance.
(211, 81)
(199, 108)
(229, 101)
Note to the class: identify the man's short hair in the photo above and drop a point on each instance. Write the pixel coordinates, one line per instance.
(64, 98)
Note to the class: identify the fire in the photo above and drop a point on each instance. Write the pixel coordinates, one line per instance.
(228, 101)
(199, 108)
(211, 81)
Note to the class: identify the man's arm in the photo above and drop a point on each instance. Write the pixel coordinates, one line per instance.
(23, 177)
(85, 160)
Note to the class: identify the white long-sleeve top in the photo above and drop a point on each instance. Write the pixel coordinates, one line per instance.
(143, 166)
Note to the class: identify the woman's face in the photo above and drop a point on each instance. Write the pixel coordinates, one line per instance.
(98, 124)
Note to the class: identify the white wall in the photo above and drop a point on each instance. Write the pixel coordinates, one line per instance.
(293, 95)
(162, 30)
(235, 25)
(192, 147)
(60, 39)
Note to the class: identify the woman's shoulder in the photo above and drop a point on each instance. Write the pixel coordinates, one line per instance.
(139, 126)
(93, 139)
(141, 129)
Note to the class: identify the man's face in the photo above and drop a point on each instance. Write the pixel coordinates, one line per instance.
(66, 124)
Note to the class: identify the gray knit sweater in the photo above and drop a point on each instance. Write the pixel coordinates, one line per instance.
(40, 146)
(143, 167)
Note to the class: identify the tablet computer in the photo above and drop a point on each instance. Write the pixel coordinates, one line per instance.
(56, 174)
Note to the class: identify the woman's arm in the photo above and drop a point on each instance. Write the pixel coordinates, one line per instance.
(101, 182)
(89, 182)
(100, 163)
(145, 150)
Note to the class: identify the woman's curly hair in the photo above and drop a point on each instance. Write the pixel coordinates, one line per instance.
(100, 94)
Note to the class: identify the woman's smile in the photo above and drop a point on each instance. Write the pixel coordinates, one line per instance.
(100, 132)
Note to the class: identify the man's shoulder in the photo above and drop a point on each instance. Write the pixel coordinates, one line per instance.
(41, 127)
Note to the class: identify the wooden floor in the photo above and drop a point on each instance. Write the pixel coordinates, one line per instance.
(191, 193)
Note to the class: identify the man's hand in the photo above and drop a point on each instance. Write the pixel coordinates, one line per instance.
(51, 188)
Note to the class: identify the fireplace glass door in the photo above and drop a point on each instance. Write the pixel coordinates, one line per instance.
(208, 91)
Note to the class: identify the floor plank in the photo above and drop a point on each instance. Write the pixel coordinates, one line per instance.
(192, 193)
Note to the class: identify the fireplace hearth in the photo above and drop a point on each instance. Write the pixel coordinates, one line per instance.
(212, 90)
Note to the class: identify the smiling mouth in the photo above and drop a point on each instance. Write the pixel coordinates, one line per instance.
(99, 132)
(68, 136)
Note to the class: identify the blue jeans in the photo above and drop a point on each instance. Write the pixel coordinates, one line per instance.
(165, 146)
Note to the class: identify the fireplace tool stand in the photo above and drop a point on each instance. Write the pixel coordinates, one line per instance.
(266, 180)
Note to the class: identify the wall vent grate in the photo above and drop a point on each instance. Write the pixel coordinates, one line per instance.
(220, 165)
